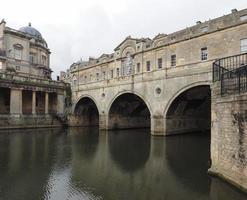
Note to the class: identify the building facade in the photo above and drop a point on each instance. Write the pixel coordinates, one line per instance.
(165, 83)
(166, 73)
(28, 95)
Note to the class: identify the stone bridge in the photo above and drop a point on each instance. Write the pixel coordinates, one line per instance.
(168, 101)
(163, 83)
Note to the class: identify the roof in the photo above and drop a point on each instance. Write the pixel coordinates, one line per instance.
(31, 31)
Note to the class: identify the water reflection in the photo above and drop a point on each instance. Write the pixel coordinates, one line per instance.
(188, 158)
(26, 161)
(82, 163)
(85, 141)
(129, 149)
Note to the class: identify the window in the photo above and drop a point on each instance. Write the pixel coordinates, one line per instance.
(103, 75)
(112, 73)
(127, 67)
(243, 18)
(17, 68)
(159, 63)
(173, 60)
(74, 80)
(18, 53)
(1, 65)
(91, 77)
(118, 74)
(43, 60)
(138, 67)
(243, 45)
(205, 29)
(148, 66)
(81, 78)
(32, 58)
(97, 76)
(204, 53)
(85, 78)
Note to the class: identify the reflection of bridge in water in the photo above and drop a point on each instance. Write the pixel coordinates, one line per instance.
(87, 163)
(165, 84)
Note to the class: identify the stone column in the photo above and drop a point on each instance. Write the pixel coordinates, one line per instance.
(46, 103)
(157, 125)
(34, 103)
(15, 101)
(60, 103)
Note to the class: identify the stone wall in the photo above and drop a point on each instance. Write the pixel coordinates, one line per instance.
(31, 121)
(229, 137)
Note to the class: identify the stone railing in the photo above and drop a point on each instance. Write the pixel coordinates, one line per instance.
(11, 76)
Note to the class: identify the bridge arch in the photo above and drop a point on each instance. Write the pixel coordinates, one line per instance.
(128, 110)
(86, 112)
(189, 109)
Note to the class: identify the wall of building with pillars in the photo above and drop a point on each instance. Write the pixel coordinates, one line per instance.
(21, 107)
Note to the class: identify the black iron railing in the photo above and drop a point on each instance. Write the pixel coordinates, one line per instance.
(234, 82)
(228, 64)
(232, 73)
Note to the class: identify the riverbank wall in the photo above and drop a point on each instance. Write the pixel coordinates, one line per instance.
(229, 136)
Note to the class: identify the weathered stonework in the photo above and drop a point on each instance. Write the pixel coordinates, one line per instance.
(28, 97)
(229, 137)
(144, 67)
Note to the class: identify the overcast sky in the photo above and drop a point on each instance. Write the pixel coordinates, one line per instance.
(78, 29)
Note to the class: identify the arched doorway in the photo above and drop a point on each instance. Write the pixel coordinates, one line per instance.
(129, 111)
(86, 112)
(190, 111)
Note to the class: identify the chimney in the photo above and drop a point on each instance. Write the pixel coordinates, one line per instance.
(198, 22)
(234, 10)
(57, 78)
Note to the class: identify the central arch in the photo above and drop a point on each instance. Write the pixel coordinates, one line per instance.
(129, 111)
(86, 112)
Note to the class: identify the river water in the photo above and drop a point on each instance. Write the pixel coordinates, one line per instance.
(83, 163)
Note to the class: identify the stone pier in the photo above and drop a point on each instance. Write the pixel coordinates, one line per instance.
(229, 137)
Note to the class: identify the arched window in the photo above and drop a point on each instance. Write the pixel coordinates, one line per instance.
(18, 51)
(74, 80)
(127, 65)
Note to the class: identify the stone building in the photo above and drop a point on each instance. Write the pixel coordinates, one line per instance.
(28, 95)
(155, 82)
(165, 83)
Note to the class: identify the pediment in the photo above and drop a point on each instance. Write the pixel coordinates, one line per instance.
(128, 40)
(127, 46)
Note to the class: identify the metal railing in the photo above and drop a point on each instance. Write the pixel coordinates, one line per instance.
(234, 82)
(232, 74)
(228, 64)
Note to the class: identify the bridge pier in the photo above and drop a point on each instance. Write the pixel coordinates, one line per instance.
(157, 125)
(103, 122)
